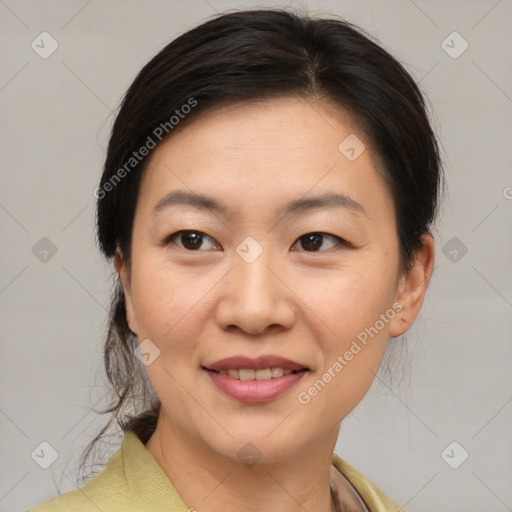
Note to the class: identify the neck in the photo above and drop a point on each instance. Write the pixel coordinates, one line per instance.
(210, 482)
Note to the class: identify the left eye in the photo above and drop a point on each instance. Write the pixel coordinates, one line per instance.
(311, 242)
(191, 240)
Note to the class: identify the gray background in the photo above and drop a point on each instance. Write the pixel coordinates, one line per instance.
(56, 114)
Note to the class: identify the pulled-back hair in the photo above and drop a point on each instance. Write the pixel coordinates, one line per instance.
(245, 56)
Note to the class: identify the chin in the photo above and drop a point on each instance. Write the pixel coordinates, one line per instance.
(263, 443)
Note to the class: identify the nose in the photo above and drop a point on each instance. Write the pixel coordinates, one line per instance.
(255, 298)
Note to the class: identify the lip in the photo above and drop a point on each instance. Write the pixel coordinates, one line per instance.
(255, 391)
(258, 363)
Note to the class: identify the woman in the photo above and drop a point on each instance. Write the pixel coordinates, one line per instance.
(267, 198)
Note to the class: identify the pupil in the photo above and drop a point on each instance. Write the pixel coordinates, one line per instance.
(312, 241)
(191, 240)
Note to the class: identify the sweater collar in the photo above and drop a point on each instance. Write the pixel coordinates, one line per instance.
(143, 472)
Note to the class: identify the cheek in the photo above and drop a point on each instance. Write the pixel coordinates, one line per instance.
(348, 302)
(171, 313)
(358, 308)
(169, 304)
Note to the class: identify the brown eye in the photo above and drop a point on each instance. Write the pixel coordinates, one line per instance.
(311, 242)
(191, 240)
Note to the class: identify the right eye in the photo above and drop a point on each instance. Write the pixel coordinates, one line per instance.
(190, 240)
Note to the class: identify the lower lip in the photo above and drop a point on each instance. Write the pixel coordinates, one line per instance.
(254, 391)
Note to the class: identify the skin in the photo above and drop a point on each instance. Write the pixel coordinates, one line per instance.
(201, 306)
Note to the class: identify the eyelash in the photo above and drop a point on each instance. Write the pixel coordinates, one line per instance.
(170, 239)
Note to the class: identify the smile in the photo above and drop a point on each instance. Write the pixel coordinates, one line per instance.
(255, 380)
(261, 374)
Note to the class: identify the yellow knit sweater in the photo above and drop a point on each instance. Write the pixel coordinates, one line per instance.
(133, 481)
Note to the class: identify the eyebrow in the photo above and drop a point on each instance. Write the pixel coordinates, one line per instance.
(205, 202)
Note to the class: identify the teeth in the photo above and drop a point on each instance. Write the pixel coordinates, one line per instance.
(247, 374)
(261, 374)
(277, 372)
(234, 374)
(264, 374)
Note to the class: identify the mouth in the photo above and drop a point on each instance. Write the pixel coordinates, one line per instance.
(255, 380)
(247, 374)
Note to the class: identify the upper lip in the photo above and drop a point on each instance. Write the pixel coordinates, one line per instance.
(258, 363)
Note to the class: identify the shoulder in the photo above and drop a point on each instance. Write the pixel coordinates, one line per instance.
(131, 481)
(374, 498)
(107, 491)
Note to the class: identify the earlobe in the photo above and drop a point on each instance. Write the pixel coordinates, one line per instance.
(124, 278)
(413, 287)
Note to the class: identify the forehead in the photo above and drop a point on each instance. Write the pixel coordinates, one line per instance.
(267, 151)
(299, 125)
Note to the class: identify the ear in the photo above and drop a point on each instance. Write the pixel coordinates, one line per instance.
(123, 272)
(412, 288)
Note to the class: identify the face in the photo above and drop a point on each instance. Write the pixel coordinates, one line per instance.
(288, 270)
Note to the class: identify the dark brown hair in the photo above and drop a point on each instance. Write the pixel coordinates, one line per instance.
(244, 56)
